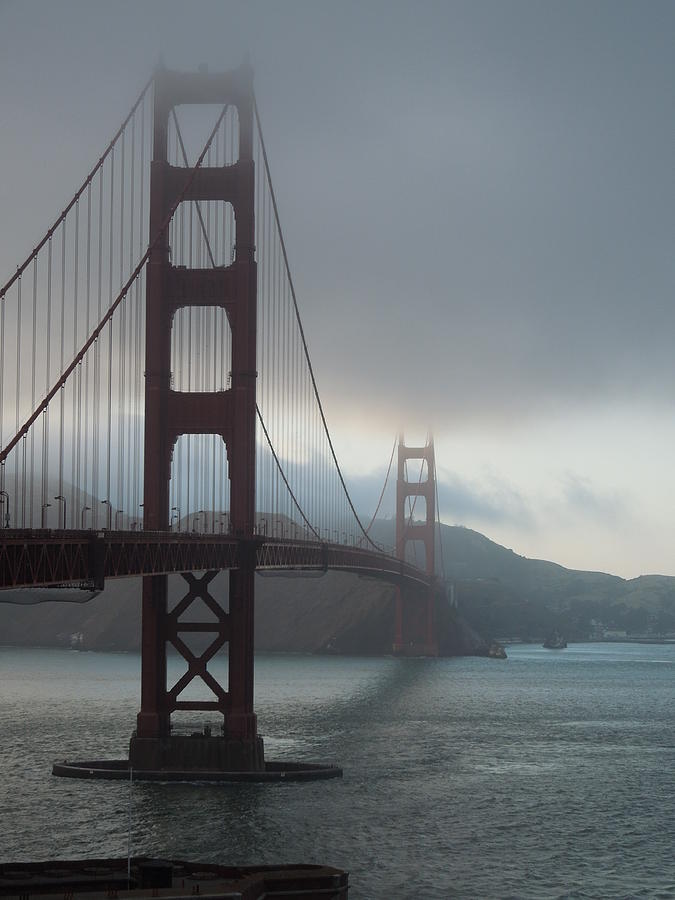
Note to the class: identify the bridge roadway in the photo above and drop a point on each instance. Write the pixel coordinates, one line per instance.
(41, 558)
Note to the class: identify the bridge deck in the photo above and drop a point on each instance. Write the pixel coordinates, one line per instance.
(35, 558)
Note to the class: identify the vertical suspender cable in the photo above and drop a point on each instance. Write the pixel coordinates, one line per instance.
(120, 502)
(138, 382)
(77, 499)
(129, 403)
(2, 404)
(61, 364)
(108, 492)
(32, 394)
(95, 487)
(84, 372)
(438, 522)
(78, 441)
(18, 392)
(45, 413)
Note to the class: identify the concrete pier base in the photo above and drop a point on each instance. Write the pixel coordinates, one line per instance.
(195, 757)
(415, 648)
(197, 752)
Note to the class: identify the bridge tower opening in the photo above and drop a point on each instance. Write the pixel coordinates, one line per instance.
(230, 413)
(415, 626)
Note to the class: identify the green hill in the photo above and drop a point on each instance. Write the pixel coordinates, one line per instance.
(498, 593)
(503, 594)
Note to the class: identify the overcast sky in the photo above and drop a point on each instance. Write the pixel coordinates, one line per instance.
(479, 207)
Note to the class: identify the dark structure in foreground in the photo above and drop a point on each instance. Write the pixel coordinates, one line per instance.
(104, 878)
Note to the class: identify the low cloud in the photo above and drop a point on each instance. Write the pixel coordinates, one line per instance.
(492, 501)
(580, 498)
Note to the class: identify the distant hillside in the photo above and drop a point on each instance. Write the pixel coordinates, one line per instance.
(499, 593)
(503, 594)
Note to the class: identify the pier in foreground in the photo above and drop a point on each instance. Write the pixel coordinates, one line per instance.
(100, 879)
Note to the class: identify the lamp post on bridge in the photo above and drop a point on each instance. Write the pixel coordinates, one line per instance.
(5, 496)
(176, 509)
(85, 509)
(107, 503)
(63, 500)
(45, 507)
(118, 513)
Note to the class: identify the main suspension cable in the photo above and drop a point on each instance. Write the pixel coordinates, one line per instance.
(42, 407)
(384, 487)
(302, 331)
(281, 472)
(88, 180)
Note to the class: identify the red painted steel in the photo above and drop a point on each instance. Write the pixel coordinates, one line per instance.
(80, 558)
(415, 630)
(34, 559)
(198, 588)
(231, 413)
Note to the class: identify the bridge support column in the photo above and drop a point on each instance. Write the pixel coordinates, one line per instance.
(415, 625)
(229, 413)
(153, 720)
(235, 752)
(241, 721)
(235, 746)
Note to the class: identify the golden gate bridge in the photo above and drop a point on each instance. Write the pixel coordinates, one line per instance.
(158, 400)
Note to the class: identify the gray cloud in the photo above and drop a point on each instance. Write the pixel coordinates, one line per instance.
(478, 197)
(581, 498)
(492, 501)
(487, 502)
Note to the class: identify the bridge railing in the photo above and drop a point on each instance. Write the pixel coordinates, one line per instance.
(39, 557)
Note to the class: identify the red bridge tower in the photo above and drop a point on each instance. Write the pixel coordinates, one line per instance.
(230, 413)
(415, 629)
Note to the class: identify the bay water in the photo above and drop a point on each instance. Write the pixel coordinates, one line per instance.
(549, 774)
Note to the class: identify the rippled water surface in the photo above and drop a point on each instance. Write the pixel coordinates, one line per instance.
(551, 774)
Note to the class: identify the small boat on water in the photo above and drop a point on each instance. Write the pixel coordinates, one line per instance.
(555, 641)
(496, 651)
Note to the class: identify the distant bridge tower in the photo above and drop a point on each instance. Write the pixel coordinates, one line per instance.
(230, 413)
(415, 627)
